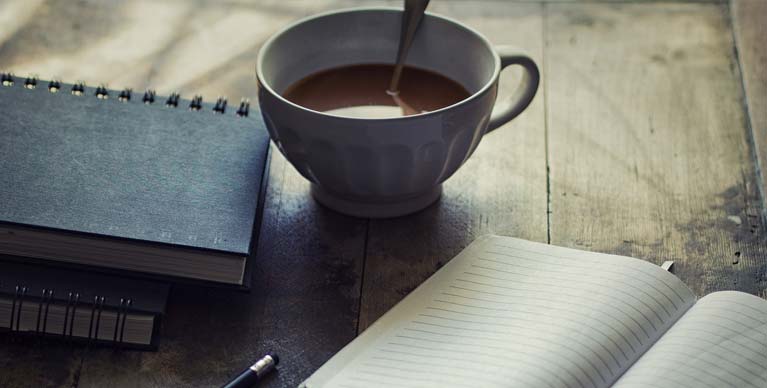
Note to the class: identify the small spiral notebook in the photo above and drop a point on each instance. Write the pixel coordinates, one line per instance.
(123, 181)
(79, 306)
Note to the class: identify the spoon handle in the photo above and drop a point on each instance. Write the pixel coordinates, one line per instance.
(411, 19)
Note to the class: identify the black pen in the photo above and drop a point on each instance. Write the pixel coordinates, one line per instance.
(249, 377)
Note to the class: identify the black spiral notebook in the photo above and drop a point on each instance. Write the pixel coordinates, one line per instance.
(125, 181)
(79, 306)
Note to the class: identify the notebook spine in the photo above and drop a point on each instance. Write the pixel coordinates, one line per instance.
(21, 297)
(149, 97)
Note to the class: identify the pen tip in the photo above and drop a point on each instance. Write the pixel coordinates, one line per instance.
(275, 358)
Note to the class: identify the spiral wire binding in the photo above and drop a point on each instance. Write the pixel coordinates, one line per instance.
(172, 100)
(45, 300)
(54, 86)
(30, 82)
(19, 295)
(124, 95)
(242, 111)
(122, 311)
(13, 307)
(47, 305)
(103, 93)
(72, 318)
(70, 297)
(128, 307)
(78, 89)
(220, 106)
(22, 295)
(196, 103)
(93, 314)
(148, 97)
(98, 304)
(70, 311)
(6, 79)
(100, 307)
(117, 319)
(40, 310)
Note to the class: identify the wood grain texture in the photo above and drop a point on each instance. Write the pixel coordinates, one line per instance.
(501, 189)
(31, 363)
(304, 300)
(303, 303)
(648, 147)
(202, 47)
(749, 19)
(649, 144)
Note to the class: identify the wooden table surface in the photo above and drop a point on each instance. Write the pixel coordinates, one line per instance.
(645, 139)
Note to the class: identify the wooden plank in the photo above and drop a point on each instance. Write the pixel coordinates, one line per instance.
(203, 48)
(617, 1)
(685, 208)
(31, 363)
(648, 141)
(501, 188)
(304, 302)
(25, 362)
(750, 35)
(490, 2)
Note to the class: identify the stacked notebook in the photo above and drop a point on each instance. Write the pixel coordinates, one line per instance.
(76, 305)
(130, 185)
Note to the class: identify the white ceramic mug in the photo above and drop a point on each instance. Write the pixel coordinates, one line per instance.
(393, 166)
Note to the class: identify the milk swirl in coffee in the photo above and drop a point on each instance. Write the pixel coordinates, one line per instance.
(361, 91)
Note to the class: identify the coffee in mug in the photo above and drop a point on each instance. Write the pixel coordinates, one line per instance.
(361, 91)
(391, 166)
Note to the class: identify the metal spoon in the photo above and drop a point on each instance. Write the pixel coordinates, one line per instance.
(411, 19)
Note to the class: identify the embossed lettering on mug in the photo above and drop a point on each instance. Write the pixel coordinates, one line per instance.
(360, 91)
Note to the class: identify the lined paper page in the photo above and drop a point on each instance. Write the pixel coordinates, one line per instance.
(509, 312)
(721, 342)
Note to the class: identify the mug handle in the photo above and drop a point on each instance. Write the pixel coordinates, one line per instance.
(513, 105)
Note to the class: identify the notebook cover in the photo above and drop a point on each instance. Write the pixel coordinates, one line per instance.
(123, 168)
(247, 274)
(28, 282)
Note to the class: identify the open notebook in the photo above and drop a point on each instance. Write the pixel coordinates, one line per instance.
(513, 313)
